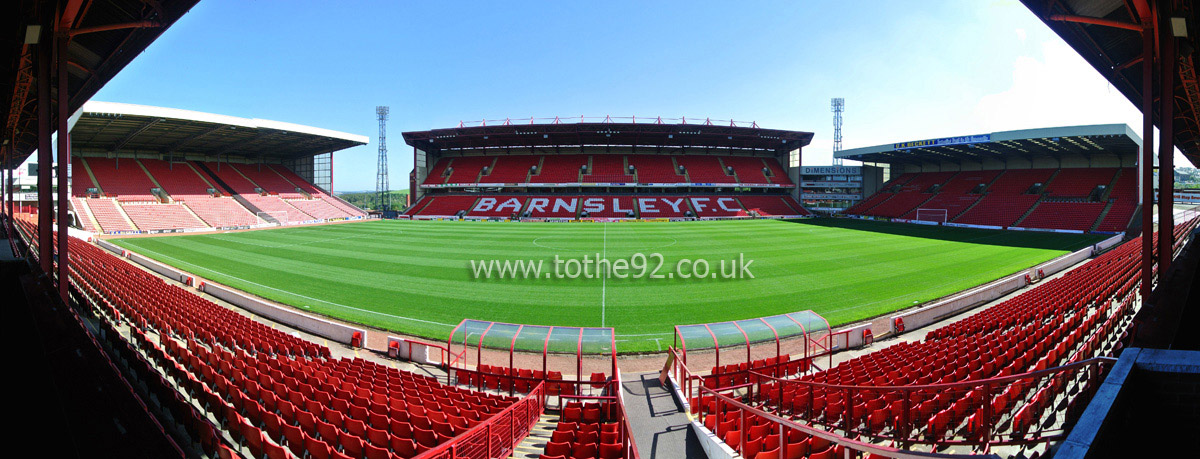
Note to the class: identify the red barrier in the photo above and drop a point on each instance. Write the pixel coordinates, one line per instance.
(496, 437)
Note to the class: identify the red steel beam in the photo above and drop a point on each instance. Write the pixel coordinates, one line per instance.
(1095, 21)
(106, 28)
(1166, 150)
(64, 162)
(44, 184)
(1147, 160)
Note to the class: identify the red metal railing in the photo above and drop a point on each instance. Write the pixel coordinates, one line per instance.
(496, 437)
(629, 446)
(802, 436)
(994, 411)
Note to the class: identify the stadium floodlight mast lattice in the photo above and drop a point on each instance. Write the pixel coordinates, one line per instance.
(381, 180)
(838, 105)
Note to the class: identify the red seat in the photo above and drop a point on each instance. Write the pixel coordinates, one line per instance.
(558, 449)
(352, 444)
(317, 449)
(772, 454)
(828, 453)
(375, 452)
(611, 451)
(404, 447)
(562, 436)
(584, 451)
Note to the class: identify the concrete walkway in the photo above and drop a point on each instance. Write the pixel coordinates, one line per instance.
(660, 427)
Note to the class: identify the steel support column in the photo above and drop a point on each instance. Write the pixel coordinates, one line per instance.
(1147, 160)
(7, 189)
(1166, 151)
(64, 163)
(44, 184)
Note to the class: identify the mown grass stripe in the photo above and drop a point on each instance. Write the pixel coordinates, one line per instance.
(382, 272)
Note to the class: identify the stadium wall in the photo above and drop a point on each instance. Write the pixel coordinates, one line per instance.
(315, 325)
(110, 247)
(420, 352)
(714, 448)
(850, 337)
(160, 268)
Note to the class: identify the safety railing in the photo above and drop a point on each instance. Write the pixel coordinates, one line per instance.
(996, 411)
(982, 413)
(628, 445)
(792, 439)
(496, 437)
(524, 380)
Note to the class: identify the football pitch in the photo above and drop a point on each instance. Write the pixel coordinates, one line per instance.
(417, 277)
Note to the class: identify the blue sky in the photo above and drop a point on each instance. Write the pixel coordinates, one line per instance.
(908, 70)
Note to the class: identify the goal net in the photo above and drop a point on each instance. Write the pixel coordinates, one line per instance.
(932, 215)
(279, 217)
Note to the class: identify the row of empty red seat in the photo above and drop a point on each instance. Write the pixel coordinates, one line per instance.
(1067, 319)
(1008, 196)
(585, 432)
(150, 217)
(1064, 215)
(187, 185)
(123, 179)
(273, 390)
(607, 168)
(606, 206)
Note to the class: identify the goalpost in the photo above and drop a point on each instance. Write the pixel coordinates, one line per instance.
(932, 215)
(280, 216)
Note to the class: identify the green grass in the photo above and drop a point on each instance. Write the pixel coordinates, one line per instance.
(415, 277)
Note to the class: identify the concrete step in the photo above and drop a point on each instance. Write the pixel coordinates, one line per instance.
(535, 444)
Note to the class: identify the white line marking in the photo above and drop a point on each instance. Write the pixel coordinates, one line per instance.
(603, 276)
(201, 268)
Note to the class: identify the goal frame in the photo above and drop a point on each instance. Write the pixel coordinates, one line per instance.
(943, 213)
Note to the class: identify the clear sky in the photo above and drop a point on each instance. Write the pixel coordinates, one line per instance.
(908, 70)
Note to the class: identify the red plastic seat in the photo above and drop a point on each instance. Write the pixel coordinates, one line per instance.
(584, 451)
(611, 451)
(274, 451)
(352, 444)
(404, 447)
(562, 436)
(317, 449)
(558, 449)
(771, 454)
(375, 452)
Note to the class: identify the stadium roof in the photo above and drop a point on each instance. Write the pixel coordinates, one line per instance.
(1107, 33)
(651, 132)
(114, 127)
(1027, 143)
(105, 37)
